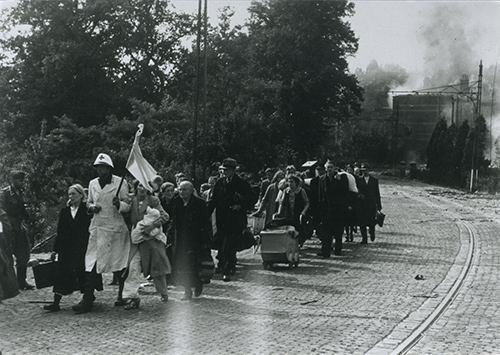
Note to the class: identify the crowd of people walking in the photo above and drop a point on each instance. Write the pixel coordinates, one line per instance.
(164, 232)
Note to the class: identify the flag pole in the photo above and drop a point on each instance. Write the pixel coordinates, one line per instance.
(136, 137)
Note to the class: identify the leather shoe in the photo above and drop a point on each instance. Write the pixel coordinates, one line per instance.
(52, 307)
(198, 290)
(132, 303)
(372, 237)
(120, 302)
(27, 287)
(323, 255)
(82, 307)
(226, 278)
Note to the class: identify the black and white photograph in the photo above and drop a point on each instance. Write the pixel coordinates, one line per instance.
(249, 177)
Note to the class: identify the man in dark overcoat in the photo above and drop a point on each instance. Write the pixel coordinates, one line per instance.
(369, 203)
(314, 195)
(13, 203)
(190, 225)
(8, 281)
(333, 201)
(231, 198)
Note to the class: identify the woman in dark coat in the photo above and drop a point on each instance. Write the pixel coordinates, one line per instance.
(191, 228)
(295, 205)
(70, 246)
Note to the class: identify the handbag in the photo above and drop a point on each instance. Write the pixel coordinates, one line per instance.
(379, 218)
(45, 274)
(247, 240)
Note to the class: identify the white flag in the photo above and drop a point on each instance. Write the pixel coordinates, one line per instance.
(138, 166)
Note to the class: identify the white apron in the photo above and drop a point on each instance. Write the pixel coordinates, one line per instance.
(109, 240)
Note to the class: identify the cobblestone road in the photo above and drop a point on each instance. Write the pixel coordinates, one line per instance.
(472, 322)
(344, 305)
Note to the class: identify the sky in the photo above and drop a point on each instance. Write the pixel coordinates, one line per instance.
(411, 34)
(402, 32)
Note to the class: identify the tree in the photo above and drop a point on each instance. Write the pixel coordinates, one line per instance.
(435, 156)
(459, 170)
(303, 46)
(87, 59)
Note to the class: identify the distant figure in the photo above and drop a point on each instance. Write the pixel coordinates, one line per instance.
(268, 203)
(314, 199)
(351, 220)
(265, 183)
(369, 203)
(13, 203)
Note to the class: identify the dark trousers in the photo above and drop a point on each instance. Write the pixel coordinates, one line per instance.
(21, 250)
(227, 252)
(334, 231)
(364, 235)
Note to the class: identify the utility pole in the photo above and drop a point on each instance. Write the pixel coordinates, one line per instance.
(477, 113)
(491, 112)
(197, 92)
(395, 134)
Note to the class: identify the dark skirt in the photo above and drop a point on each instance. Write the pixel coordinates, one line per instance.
(154, 259)
(8, 280)
(71, 276)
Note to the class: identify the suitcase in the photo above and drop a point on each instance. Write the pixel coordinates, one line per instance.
(279, 245)
(45, 274)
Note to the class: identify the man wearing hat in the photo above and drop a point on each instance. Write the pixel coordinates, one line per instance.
(333, 206)
(231, 198)
(369, 202)
(109, 241)
(13, 203)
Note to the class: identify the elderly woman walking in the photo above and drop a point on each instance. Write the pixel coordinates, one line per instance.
(70, 246)
(109, 241)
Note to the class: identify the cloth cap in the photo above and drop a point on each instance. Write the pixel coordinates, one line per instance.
(229, 163)
(103, 159)
(364, 167)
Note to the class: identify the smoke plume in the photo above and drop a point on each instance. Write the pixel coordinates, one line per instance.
(449, 49)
